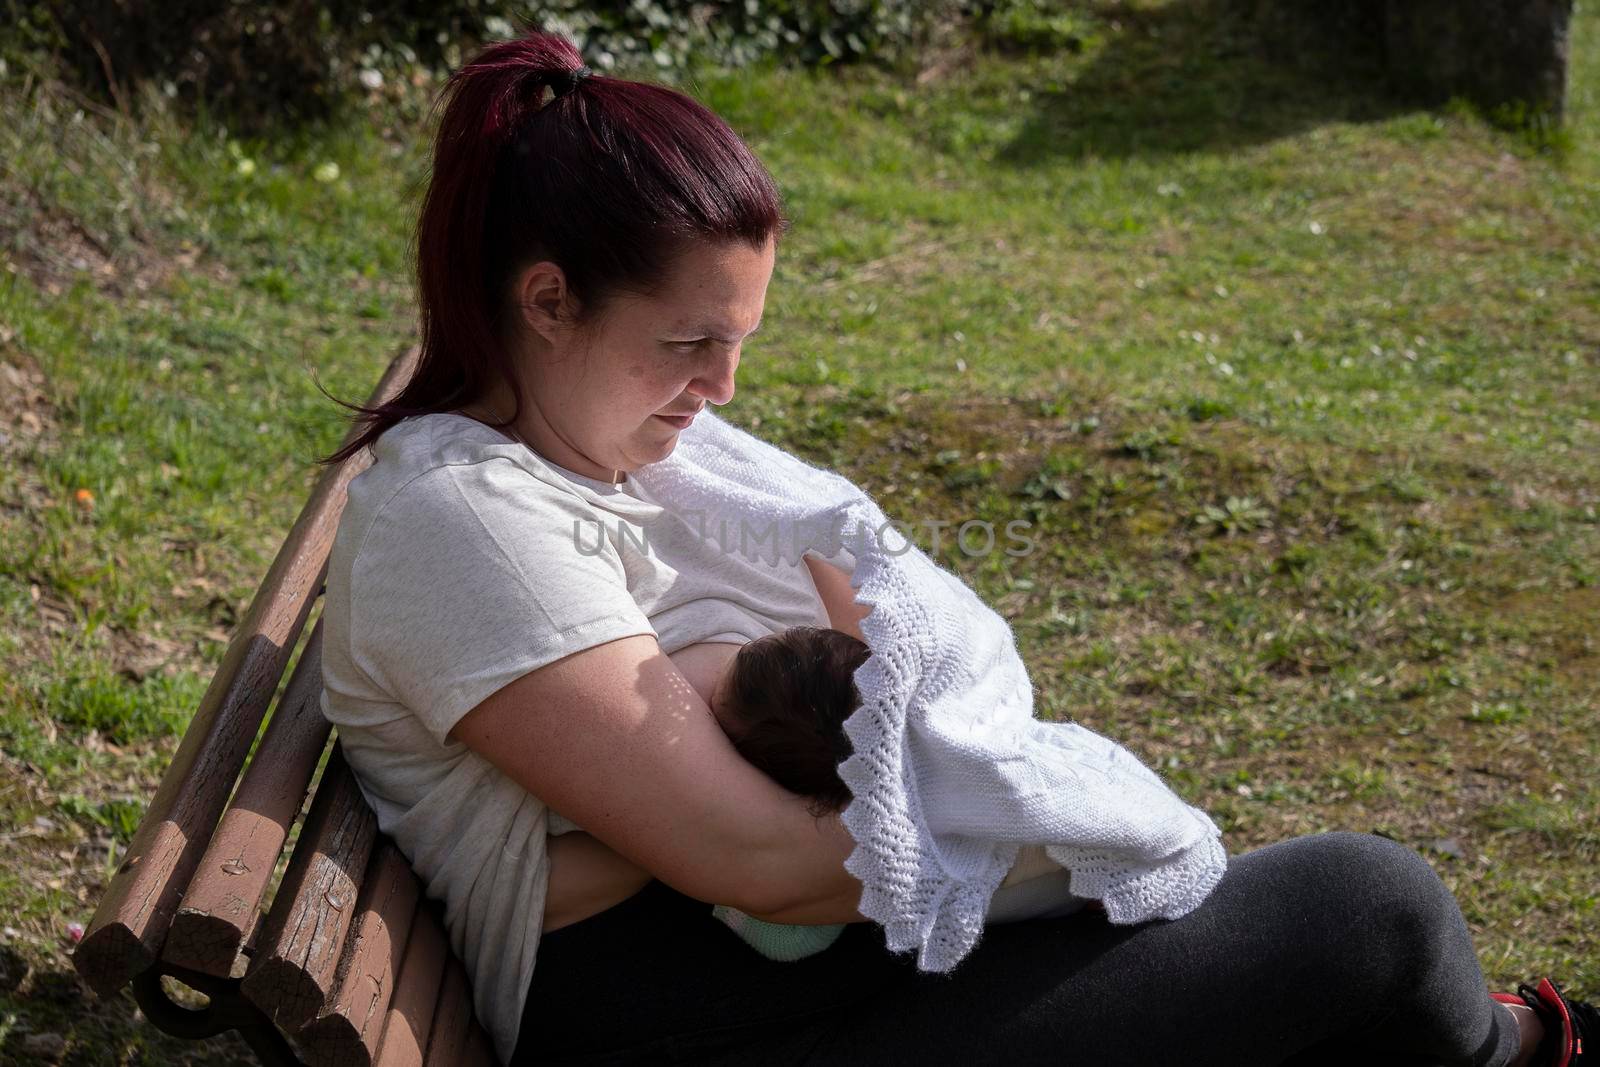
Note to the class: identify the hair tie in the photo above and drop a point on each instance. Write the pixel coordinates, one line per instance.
(567, 80)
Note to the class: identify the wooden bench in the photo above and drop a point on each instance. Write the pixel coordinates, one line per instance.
(349, 964)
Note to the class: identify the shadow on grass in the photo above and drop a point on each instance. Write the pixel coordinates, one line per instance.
(49, 1016)
(1206, 76)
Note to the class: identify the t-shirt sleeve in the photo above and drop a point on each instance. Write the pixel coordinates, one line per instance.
(471, 576)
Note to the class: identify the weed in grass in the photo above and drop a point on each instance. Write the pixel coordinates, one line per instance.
(1235, 515)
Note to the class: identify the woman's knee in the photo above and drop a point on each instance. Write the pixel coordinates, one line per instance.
(1406, 945)
(1345, 876)
(1387, 892)
(1393, 868)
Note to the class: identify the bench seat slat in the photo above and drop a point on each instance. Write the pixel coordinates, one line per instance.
(347, 1031)
(416, 992)
(479, 1052)
(452, 1019)
(292, 975)
(220, 907)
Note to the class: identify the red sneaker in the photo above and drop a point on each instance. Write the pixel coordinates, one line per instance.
(1568, 1025)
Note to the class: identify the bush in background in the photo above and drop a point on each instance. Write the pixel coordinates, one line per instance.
(263, 60)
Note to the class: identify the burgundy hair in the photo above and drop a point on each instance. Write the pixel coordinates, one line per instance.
(611, 181)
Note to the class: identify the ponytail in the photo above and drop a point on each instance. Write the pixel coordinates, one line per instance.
(608, 179)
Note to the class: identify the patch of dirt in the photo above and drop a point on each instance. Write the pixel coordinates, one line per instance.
(950, 49)
(136, 655)
(27, 418)
(28, 425)
(916, 250)
(1559, 618)
(123, 254)
(55, 251)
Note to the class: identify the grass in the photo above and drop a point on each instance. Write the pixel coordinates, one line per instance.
(1298, 390)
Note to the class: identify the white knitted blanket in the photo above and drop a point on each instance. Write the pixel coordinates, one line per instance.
(950, 773)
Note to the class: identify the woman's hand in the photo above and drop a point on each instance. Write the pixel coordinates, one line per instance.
(615, 739)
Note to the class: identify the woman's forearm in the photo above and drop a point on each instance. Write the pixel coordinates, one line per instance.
(803, 875)
(840, 908)
(617, 740)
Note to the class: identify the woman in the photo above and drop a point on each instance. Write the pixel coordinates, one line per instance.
(502, 602)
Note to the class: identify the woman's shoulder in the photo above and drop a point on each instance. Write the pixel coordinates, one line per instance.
(455, 484)
(455, 460)
(423, 443)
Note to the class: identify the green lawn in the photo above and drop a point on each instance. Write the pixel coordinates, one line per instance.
(1299, 389)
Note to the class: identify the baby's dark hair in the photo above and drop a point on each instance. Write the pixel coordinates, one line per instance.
(787, 697)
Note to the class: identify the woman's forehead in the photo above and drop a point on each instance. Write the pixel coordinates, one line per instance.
(718, 290)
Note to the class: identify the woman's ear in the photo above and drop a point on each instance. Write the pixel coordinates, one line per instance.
(543, 301)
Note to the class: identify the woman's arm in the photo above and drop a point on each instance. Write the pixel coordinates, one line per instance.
(833, 586)
(586, 878)
(615, 739)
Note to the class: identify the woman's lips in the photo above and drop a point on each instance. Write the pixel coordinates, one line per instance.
(680, 421)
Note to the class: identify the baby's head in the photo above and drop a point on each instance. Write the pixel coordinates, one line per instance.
(783, 701)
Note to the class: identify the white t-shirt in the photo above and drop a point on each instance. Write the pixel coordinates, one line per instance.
(463, 561)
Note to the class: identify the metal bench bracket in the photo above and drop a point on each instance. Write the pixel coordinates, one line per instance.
(228, 1009)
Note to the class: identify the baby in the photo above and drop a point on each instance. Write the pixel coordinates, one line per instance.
(782, 700)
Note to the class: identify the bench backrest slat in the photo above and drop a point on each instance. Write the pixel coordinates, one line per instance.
(349, 959)
(292, 974)
(416, 993)
(130, 925)
(346, 1033)
(220, 907)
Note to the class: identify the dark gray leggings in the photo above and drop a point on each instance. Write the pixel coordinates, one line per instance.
(1338, 948)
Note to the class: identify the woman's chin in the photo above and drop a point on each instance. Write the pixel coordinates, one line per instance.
(658, 446)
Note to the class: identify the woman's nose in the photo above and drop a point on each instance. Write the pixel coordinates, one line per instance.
(716, 383)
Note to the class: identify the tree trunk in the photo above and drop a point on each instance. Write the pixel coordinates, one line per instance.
(1495, 52)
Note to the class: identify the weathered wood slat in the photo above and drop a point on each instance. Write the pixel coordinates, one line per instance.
(409, 1020)
(452, 1019)
(347, 1031)
(292, 975)
(131, 923)
(479, 1051)
(221, 904)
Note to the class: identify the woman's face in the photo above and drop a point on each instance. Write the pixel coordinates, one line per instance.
(595, 402)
